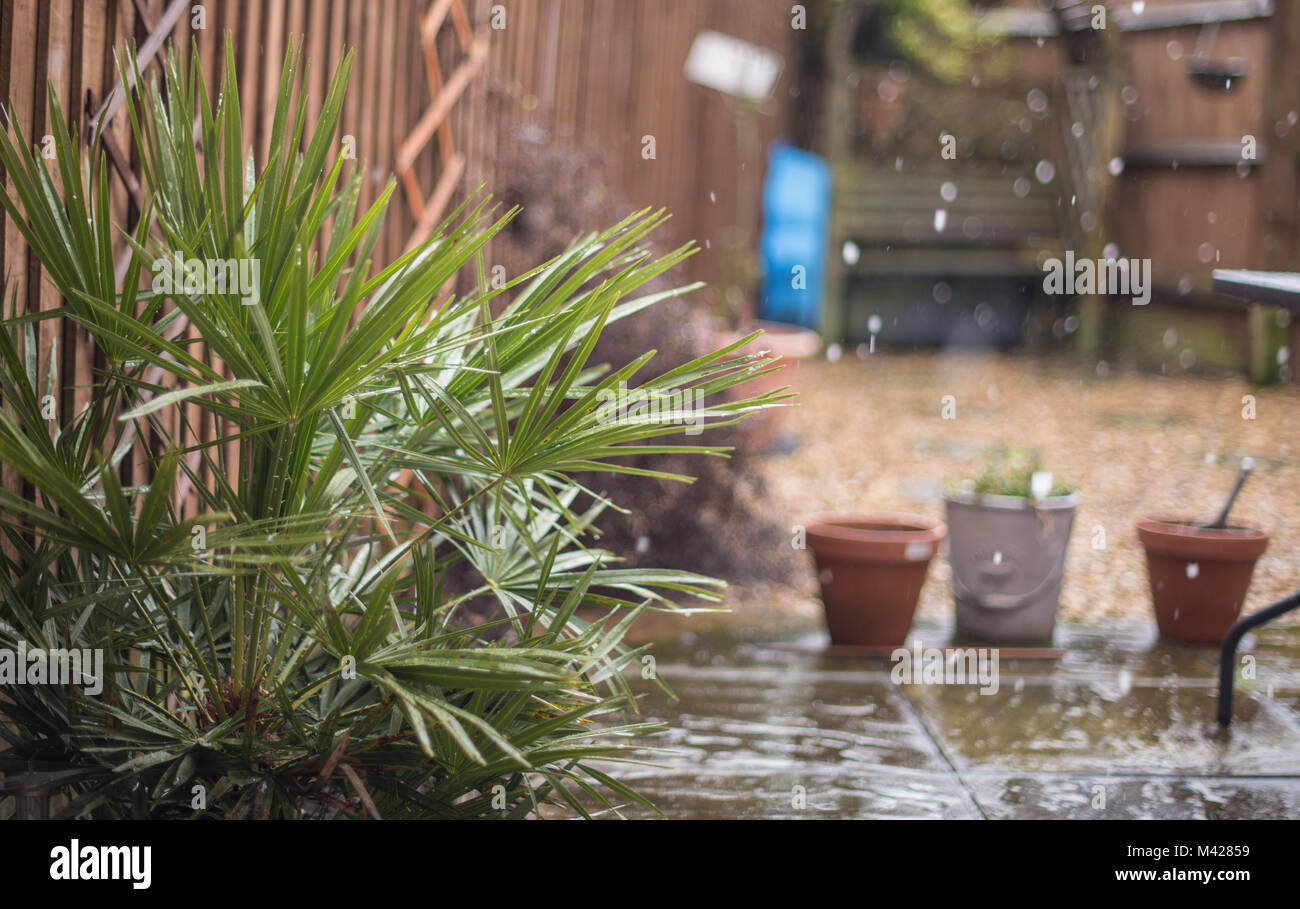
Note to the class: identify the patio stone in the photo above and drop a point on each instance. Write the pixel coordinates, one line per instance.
(1072, 727)
(1034, 797)
(785, 729)
(792, 722)
(849, 792)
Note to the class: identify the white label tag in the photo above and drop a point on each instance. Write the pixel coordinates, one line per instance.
(732, 66)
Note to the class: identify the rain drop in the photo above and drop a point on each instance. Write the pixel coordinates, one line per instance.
(1045, 171)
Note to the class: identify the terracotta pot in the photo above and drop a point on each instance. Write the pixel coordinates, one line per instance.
(793, 344)
(1199, 577)
(871, 569)
(1007, 555)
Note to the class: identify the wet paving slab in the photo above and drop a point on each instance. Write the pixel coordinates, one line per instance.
(1119, 725)
(760, 743)
(1072, 727)
(1107, 797)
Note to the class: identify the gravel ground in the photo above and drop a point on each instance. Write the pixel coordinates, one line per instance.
(871, 437)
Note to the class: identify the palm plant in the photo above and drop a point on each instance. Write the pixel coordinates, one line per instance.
(273, 600)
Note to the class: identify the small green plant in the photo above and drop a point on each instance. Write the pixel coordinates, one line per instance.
(1010, 474)
(368, 587)
(939, 36)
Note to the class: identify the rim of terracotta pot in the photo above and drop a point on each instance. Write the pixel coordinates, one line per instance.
(1175, 534)
(1015, 503)
(876, 527)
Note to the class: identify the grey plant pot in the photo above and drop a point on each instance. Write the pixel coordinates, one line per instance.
(1007, 556)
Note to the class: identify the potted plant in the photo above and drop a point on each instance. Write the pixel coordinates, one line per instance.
(287, 633)
(1199, 571)
(871, 569)
(1010, 528)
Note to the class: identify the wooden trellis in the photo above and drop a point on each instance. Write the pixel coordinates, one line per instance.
(443, 96)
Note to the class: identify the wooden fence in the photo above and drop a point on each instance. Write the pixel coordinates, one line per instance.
(436, 86)
(608, 74)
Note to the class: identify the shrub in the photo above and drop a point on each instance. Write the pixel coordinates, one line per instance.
(270, 602)
(718, 524)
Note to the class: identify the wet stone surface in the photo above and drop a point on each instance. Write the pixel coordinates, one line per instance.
(1072, 727)
(1120, 726)
(1135, 798)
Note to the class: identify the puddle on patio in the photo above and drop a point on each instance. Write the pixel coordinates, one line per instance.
(1122, 726)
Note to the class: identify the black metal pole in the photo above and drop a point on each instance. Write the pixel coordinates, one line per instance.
(1228, 656)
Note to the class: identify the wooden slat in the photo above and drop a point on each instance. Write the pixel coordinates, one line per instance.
(20, 19)
(55, 35)
(87, 77)
(273, 49)
(382, 164)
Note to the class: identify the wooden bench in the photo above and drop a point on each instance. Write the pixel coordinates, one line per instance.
(936, 223)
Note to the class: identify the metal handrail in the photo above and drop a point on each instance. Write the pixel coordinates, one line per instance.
(1228, 656)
